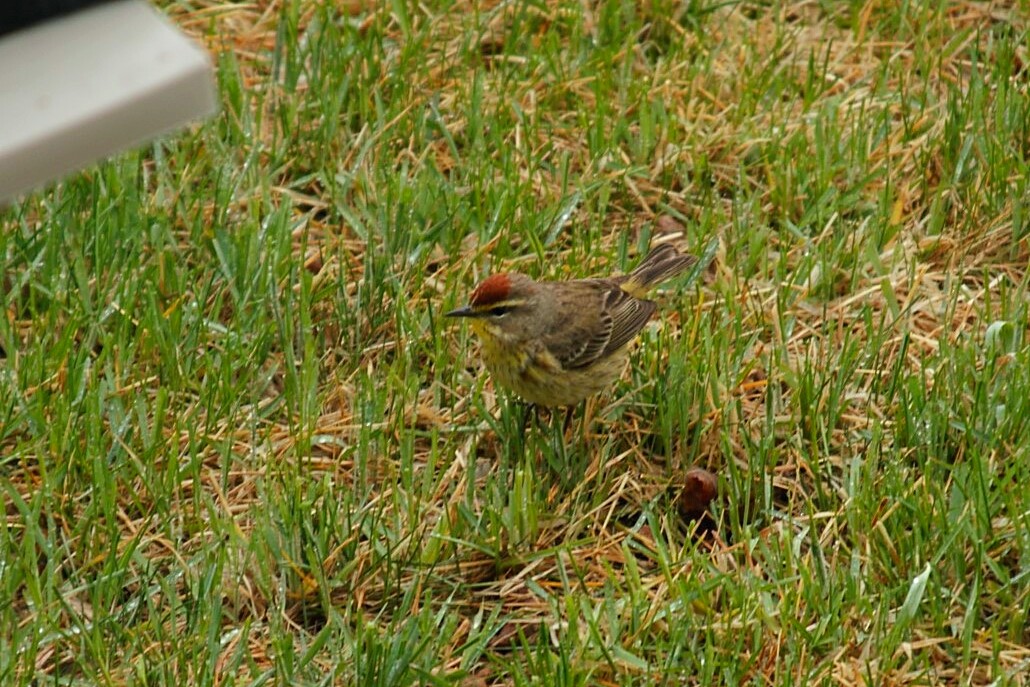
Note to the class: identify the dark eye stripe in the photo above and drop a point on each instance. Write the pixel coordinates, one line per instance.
(500, 310)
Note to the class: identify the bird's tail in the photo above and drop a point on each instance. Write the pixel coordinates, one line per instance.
(663, 262)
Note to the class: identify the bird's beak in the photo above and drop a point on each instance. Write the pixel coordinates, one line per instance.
(465, 311)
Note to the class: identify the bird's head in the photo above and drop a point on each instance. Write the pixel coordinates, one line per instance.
(499, 304)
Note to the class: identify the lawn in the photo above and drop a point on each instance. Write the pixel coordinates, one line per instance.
(240, 445)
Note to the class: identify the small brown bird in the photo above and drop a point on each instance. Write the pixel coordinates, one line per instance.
(556, 343)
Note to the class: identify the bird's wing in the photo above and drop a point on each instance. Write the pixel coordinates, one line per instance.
(629, 315)
(592, 338)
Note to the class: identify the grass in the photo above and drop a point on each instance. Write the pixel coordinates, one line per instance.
(239, 445)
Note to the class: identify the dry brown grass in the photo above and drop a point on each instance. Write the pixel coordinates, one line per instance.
(931, 284)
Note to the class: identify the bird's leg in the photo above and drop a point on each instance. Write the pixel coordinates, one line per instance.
(570, 412)
(585, 421)
(546, 430)
(589, 411)
(524, 410)
(529, 410)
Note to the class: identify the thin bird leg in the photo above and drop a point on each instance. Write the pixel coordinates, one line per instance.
(584, 423)
(570, 412)
(529, 410)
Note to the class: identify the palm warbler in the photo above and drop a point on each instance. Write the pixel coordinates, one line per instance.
(556, 343)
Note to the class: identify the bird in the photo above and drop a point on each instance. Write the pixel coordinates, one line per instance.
(556, 343)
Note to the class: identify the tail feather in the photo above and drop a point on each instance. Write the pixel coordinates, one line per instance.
(663, 262)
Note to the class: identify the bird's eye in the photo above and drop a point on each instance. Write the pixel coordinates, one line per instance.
(500, 311)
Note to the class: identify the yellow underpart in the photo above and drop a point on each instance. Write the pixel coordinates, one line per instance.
(537, 376)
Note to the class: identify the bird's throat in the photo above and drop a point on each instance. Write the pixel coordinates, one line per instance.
(496, 344)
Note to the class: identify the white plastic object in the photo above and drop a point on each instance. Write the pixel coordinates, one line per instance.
(83, 86)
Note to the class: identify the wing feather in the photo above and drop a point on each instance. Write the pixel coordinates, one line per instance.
(629, 315)
(581, 344)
